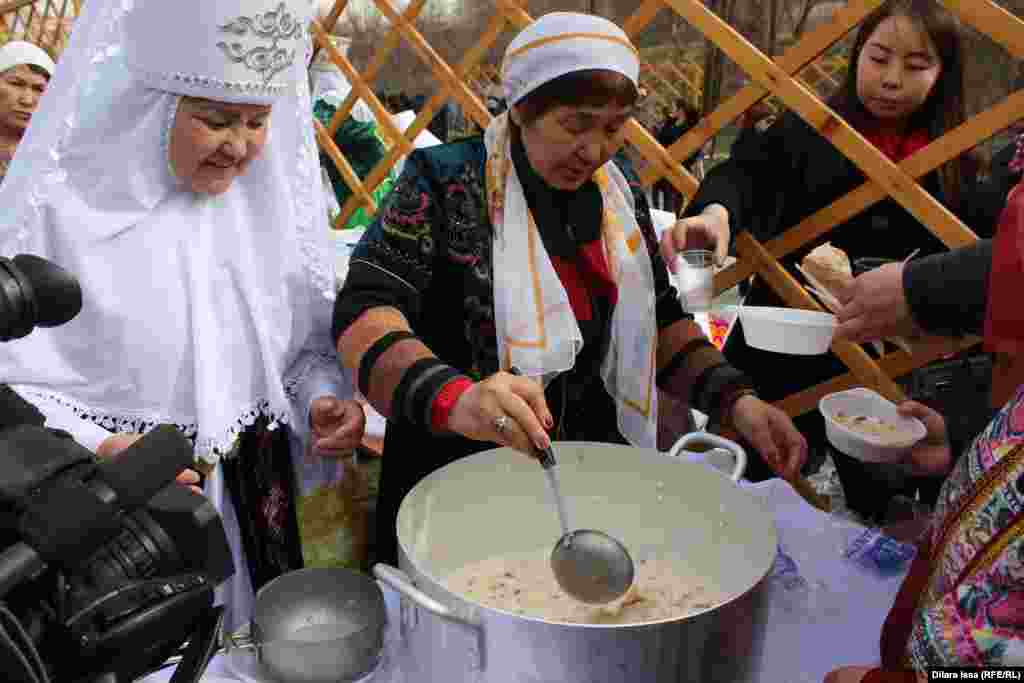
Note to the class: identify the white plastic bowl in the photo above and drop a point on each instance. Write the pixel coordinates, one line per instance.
(787, 330)
(863, 446)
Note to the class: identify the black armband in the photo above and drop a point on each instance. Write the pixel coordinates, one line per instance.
(377, 350)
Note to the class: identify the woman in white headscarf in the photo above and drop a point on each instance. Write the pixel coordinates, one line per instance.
(172, 169)
(25, 69)
(532, 249)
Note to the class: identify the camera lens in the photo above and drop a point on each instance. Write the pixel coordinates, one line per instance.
(142, 550)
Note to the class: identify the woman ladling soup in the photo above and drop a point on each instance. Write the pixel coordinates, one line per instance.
(530, 248)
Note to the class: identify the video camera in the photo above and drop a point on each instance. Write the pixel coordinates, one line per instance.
(106, 568)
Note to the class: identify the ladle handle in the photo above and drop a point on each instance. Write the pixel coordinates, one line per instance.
(546, 456)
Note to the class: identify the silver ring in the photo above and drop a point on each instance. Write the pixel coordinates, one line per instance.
(501, 422)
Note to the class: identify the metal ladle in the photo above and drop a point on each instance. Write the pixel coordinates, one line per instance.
(589, 565)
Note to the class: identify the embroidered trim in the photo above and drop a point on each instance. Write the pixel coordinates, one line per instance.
(210, 449)
(990, 553)
(165, 142)
(308, 196)
(275, 26)
(314, 359)
(168, 81)
(385, 271)
(995, 477)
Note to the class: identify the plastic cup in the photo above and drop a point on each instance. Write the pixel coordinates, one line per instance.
(695, 279)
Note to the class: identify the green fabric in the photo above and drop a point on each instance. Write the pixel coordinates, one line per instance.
(363, 148)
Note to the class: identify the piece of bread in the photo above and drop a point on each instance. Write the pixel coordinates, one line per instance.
(830, 267)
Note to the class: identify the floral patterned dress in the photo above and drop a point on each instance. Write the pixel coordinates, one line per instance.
(962, 603)
(972, 610)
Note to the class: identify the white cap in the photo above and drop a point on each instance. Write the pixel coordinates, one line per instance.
(18, 52)
(563, 42)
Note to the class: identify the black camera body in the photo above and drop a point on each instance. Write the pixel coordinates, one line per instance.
(107, 568)
(110, 567)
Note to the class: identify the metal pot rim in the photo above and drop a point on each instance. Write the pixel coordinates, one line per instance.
(474, 611)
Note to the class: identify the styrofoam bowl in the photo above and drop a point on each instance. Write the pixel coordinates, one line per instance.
(863, 446)
(787, 330)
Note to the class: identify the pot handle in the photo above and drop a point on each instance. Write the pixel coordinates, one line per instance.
(399, 581)
(732, 447)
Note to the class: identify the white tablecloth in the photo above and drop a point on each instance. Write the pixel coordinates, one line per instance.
(836, 623)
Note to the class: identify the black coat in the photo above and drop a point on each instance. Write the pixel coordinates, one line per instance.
(670, 131)
(786, 174)
(770, 184)
(1002, 178)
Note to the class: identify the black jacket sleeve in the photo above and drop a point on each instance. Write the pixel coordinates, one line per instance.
(948, 292)
(752, 184)
(393, 263)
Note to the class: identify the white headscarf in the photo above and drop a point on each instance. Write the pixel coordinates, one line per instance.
(560, 43)
(536, 328)
(195, 307)
(18, 52)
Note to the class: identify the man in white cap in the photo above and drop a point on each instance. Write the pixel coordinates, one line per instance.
(25, 70)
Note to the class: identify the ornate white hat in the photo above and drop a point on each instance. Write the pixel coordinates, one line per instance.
(243, 53)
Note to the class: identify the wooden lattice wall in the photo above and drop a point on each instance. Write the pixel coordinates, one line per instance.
(47, 23)
(779, 77)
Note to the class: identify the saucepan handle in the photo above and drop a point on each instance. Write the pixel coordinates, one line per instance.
(709, 439)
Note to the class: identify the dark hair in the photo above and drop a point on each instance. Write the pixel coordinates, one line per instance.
(591, 87)
(39, 71)
(752, 116)
(945, 107)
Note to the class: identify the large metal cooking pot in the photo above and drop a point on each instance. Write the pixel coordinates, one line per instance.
(496, 502)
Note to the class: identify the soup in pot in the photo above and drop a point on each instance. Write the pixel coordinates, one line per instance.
(524, 584)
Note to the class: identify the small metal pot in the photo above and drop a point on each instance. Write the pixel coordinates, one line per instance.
(319, 625)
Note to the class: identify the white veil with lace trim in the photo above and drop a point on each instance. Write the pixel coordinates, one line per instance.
(197, 309)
